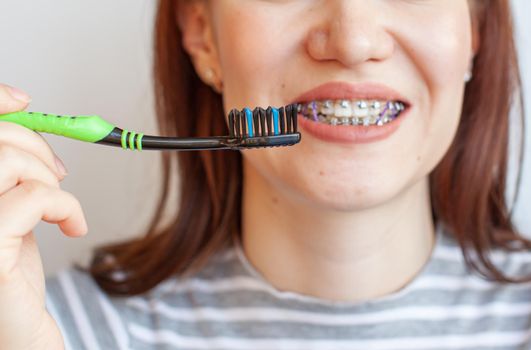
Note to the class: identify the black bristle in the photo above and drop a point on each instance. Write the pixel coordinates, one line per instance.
(262, 114)
(256, 122)
(231, 123)
(269, 118)
(281, 119)
(243, 119)
(295, 114)
(242, 116)
(237, 117)
(289, 116)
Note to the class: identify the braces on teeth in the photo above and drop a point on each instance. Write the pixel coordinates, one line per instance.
(347, 112)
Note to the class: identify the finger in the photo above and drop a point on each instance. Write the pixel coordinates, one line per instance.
(18, 166)
(23, 207)
(12, 99)
(30, 142)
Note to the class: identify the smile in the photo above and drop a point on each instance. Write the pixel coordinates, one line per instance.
(352, 112)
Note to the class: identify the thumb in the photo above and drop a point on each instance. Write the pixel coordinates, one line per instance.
(12, 99)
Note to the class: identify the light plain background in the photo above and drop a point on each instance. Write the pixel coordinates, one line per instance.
(94, 57)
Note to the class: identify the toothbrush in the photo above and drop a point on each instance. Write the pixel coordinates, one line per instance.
(247, 129)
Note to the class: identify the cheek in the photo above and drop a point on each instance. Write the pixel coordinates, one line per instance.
(440, 54)
(440, 51)
(250, 51)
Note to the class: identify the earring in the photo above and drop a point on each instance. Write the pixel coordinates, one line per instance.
(209, 75)
(211, 80)
(469, 73)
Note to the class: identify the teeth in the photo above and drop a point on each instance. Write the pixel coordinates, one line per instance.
(357, 112)
(327, 107)
(343, 108)
(361, 110)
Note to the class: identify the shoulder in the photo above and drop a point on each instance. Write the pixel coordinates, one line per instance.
(87, 317)
(91, 319)
(66, 279)
(449, 263)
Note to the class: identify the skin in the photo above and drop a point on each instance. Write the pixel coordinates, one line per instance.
(29, 192)
(340, 216)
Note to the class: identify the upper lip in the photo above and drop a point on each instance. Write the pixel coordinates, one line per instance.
(347, 91)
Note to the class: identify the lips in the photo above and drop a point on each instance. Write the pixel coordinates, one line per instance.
(352, 134)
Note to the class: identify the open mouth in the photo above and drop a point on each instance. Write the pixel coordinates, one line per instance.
(352, 112)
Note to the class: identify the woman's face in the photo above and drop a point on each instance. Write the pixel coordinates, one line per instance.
(272, 51)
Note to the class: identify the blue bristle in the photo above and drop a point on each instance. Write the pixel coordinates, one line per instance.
(275, 120)
(249, 116)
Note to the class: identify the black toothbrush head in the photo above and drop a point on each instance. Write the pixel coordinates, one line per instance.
(260, 127)
(271, 127)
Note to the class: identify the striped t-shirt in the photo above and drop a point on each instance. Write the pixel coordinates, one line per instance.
(229, 305)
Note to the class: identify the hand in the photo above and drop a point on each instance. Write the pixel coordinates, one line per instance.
(29, 192)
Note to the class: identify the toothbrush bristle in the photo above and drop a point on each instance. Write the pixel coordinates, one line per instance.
(294, 118)
(262, 114)
(256, 123)
(262, 122)
(244, 133)
(289, 113)
(231, 123)
(237, 113)
(269, 117)
(282, 122)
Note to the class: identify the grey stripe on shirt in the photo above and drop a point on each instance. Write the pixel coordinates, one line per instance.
(228, 305)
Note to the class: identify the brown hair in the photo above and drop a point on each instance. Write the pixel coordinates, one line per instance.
(467, 186)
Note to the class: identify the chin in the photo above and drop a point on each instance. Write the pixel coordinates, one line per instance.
(331, 182)
(348, 196)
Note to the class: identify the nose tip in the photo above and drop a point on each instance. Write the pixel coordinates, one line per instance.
(350, 38)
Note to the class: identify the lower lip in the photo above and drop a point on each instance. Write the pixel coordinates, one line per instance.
(351, 133)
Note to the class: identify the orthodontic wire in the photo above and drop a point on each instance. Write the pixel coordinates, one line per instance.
(383, 112)
(314, 111)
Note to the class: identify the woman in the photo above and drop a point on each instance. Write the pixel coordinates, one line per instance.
(349, 240)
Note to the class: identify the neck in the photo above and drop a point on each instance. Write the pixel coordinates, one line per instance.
(335, 255)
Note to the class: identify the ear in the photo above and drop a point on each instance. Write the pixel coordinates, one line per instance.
(476, 37)
(193, 19)
(476, 11)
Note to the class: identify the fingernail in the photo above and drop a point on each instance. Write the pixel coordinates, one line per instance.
(85, 227)
(19, 94)
(60, 166)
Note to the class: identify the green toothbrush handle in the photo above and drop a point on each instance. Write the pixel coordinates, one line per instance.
(83, 128)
